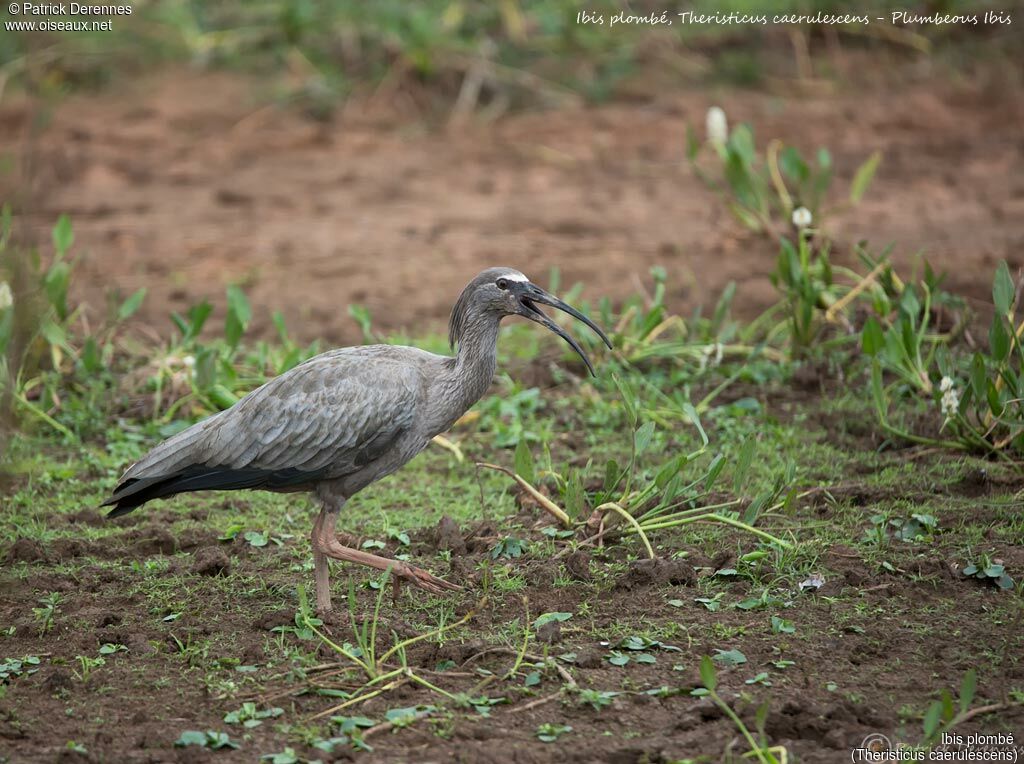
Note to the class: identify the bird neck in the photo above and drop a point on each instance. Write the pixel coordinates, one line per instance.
(477, 358)
(466, 377)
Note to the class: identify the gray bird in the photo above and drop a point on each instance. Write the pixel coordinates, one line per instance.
(344, 419)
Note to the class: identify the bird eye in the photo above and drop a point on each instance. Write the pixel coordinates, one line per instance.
(501, 284)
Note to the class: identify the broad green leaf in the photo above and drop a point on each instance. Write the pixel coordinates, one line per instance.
(714, 470)
(239, 315)
(628, 398)
(132, 304)
(56, 284)
(524, 461)
(872, 338)
(642, 437)
(979, 377)
(743, 460)
(191, 737)
(707, 673)
(999, 337)
(793, 166)
(92, 359)
(549, 618)
(967, 689)
(612, 474)
(63, 236)
(1002, 289)
(730, 657)
(862, 179)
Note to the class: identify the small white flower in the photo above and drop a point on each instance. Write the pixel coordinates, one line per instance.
(950, 398)
(6, 297)
(711, 356)
(189, 361)
(717, 126)
(802, 217)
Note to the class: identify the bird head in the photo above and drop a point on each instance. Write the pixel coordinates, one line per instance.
(507, 292)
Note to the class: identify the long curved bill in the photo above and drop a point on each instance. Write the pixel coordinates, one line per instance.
(531, 293)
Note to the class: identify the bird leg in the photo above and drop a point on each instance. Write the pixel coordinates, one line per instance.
(326, 545)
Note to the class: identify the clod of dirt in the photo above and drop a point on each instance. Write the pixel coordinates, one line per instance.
(108, 618)
(210, 561)
(723, 559)
(448, 536)
(577, 565)
(270, 620)
(25, 550)
(467, 730)
(550, 633)
(59, 679)
(85, 517)
(589, 658)
(66, 549)
(154, 540)
(658, 572)
(631, 755)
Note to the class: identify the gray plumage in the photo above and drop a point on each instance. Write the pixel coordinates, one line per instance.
(345, 418)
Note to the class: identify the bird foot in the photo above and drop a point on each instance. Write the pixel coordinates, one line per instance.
(421, 579)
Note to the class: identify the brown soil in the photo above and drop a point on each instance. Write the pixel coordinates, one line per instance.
(130, 710)
(182, 185)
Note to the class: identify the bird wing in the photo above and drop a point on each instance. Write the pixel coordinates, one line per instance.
(324, 419)
(338, 414)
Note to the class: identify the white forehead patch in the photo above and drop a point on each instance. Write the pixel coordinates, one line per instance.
(514, 276)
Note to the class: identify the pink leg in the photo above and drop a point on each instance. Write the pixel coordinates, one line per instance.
(326, 544)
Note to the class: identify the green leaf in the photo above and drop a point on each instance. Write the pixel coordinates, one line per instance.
(628, 398)
(730, 657)
(1002, 289)
(642, 437)
(63, 236)
(524, 461)
(743, 461)
(612, 474)
(714, 470)
(862, 179)
(54, 334)
(782, 626)
(239, 315)
(92, 359)
(191, 737)
(999, 337)
(549, 618)
(132, 304)
(256, 538)
(872, 338)
(56, 285)
(932, 717)
(967, 689)
(979, 377)
(793, 166)
(707, 673)
(692, 144)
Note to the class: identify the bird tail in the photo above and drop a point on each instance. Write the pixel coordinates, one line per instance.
(160, 472)
(134, 492)
(176, 466)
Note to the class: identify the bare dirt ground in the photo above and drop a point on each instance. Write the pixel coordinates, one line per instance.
(182, 184)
